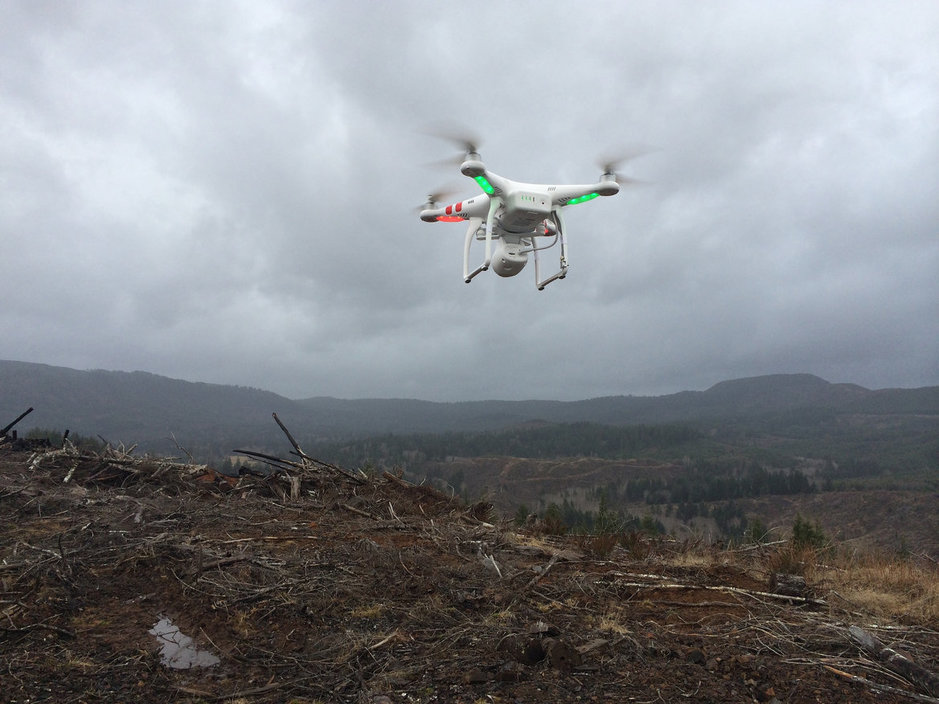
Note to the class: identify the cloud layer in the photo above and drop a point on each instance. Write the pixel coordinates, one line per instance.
(225, 192)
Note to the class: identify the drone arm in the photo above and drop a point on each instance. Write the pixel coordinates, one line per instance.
(570, 195)
(562, 238)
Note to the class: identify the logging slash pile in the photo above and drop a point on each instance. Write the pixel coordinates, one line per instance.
(126, 578)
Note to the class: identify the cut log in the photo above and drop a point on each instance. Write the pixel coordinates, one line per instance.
(897, 662)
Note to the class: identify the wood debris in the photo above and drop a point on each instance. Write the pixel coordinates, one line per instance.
(313, 582)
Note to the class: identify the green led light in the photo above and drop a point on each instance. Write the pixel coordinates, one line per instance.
(581, 199)
(484, 184)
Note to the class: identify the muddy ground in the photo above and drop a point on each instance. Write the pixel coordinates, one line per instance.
(377, 591)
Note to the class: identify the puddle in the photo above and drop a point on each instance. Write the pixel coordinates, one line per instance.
(179, 651)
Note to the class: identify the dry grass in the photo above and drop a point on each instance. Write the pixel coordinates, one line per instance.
(883, 586)
(614, 621)
(887, 586)
(692, 559)
(599, 545)
(793, 559)
(368, 611)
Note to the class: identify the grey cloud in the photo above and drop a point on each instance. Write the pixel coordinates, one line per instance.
(225, 192)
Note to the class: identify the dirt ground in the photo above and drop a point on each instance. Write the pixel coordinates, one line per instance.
(373, 590)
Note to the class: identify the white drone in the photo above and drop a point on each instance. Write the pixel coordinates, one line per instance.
(515, 219)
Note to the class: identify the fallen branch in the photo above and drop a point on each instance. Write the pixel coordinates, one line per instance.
(254, 691)
(877, 687)
(40, 626)
(896, 662)
(733, 590)
(5, 429)
(358, 511)
(271, 460)
(389, 477)
(296, 445)
(306, 463)
(358, 478)
(537, 578)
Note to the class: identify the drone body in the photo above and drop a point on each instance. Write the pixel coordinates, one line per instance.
(515, 219)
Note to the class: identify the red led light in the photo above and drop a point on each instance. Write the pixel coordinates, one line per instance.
(449, 218)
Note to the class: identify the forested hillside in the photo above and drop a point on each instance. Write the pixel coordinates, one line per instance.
(722, 479)
(155, 412)
(714, 460)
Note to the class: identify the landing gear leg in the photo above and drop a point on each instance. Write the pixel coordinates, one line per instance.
(494, 204)
(562, 238)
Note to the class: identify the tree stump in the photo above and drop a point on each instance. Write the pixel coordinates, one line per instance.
(788, 584)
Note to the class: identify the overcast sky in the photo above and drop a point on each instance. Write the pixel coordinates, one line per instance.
(226, 191)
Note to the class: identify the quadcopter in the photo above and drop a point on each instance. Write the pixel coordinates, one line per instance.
(515, 219)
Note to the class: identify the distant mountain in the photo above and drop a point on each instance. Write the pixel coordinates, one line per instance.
(133, 407)
(138, 407)
(725, 400)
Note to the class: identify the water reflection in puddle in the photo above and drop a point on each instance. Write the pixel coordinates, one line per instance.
(179, 651)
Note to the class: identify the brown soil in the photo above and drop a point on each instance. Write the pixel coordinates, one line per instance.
(380, 591)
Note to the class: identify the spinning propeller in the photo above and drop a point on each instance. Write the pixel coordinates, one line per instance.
(435, 197)
(610, 163)
(465, 140)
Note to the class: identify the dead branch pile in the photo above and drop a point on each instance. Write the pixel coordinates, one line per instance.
(317, 583)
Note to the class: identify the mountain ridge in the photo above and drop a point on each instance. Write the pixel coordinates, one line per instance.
(154, 410)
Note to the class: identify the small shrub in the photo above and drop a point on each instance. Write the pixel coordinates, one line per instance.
(607, 521)
(807, 535)
(791, 559)
(651, 526)
(553, 523)
(756, 532)
(599, 545)
(634, 544)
